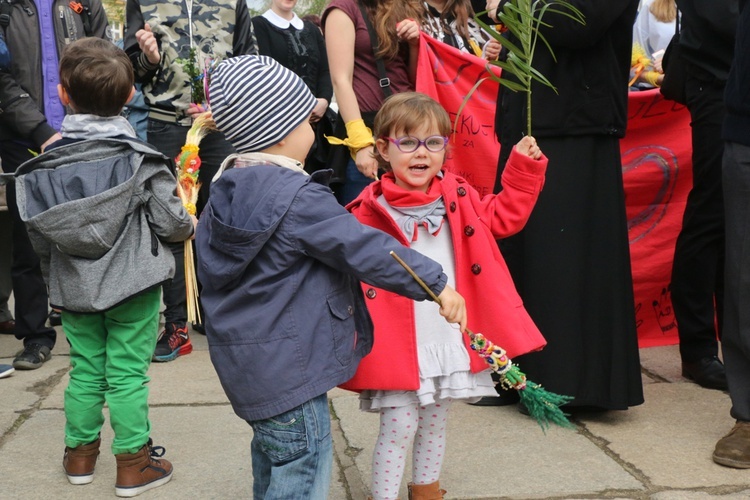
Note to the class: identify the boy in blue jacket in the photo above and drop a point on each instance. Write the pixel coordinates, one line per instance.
(280, 262)
(99, 206)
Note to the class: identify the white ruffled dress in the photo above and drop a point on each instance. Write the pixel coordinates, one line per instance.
(443, 359)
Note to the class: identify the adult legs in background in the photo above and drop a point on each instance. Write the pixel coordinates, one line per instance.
(698, 270)
(29, 288)
(733, 450)
(7, 324)
(168, 138)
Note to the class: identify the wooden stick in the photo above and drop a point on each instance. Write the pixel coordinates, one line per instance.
(423, 285)
(416, 278)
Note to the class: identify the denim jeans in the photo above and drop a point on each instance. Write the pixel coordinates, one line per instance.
(355, 183)
(292, 453)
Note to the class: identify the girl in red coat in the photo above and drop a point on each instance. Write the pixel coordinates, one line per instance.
(418, 364)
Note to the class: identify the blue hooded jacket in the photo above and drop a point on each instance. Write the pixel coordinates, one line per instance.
(280, 262)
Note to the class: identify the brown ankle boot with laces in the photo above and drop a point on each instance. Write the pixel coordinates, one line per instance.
(141, 471)
(79, 462)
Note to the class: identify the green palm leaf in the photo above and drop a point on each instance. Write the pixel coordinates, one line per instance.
(523, 19)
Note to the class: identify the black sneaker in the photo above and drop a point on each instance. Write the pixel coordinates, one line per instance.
(198, 327)
(32, 357)
(173, 341)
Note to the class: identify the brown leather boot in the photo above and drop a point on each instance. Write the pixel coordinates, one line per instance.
(430, 491)
(79, 462)
(733, 450)
(141, 471)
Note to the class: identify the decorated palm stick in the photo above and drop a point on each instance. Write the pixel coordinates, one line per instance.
(188, 167)
(543, 406)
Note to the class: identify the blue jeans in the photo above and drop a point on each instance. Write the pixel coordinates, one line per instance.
(355, 183)
(292, 453)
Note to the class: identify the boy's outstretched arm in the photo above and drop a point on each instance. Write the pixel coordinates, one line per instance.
(453, 307)
(325, 231)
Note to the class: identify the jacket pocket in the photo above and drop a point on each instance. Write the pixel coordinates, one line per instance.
(343, 329)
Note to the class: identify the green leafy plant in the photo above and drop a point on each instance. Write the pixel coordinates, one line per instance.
(193, 69)
(522, 19)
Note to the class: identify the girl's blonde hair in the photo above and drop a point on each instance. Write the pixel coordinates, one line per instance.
(384, 15)
(406, 112)
(665, 11)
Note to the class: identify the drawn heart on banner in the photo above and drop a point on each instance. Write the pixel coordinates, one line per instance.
(648, 193)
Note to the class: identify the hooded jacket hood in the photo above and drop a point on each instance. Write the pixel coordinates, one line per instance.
(98, 213)
(242, 218)
(82, 205)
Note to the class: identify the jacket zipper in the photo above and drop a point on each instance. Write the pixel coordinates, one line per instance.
(189, 6)
(64, 25)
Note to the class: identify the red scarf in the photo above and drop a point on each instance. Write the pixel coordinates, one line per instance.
(397, 196)
(415, 207)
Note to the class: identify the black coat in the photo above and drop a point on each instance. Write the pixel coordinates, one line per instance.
(591, 75)
(707, 35)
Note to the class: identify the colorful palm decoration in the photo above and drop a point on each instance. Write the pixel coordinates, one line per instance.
(188, 186)
(543, 406)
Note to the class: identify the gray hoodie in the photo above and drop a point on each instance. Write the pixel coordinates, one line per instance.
(98, 212)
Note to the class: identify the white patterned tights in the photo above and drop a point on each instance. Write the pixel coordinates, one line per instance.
(425, 426)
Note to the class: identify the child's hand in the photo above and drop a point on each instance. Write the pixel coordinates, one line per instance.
(195, 225)
(195, 109)
(453, 307)
(527, 146)
(492, 50)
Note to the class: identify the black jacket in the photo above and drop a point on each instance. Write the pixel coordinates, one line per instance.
(21, 98)
(591, 75)
(707, 35)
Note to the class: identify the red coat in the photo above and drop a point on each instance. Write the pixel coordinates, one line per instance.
(494, 306)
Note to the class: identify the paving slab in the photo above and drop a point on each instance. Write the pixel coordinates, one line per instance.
(494, 452)
(190, 414)
(670, 439)
(660, 450)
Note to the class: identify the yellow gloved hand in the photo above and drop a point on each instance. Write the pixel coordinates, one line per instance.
(358, 136)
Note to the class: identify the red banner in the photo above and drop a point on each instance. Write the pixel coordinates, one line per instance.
(656, 168)
(657, 173)
(449, 75)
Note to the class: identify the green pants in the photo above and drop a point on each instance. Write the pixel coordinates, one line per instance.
(110, 353)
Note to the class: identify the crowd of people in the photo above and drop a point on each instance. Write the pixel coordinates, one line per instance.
(298, 292)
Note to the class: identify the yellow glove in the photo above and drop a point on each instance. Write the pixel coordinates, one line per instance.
(358, 136)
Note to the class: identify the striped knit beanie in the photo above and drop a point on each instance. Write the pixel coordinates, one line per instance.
(256, 102)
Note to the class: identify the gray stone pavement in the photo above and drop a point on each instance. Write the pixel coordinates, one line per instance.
(660, 450)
